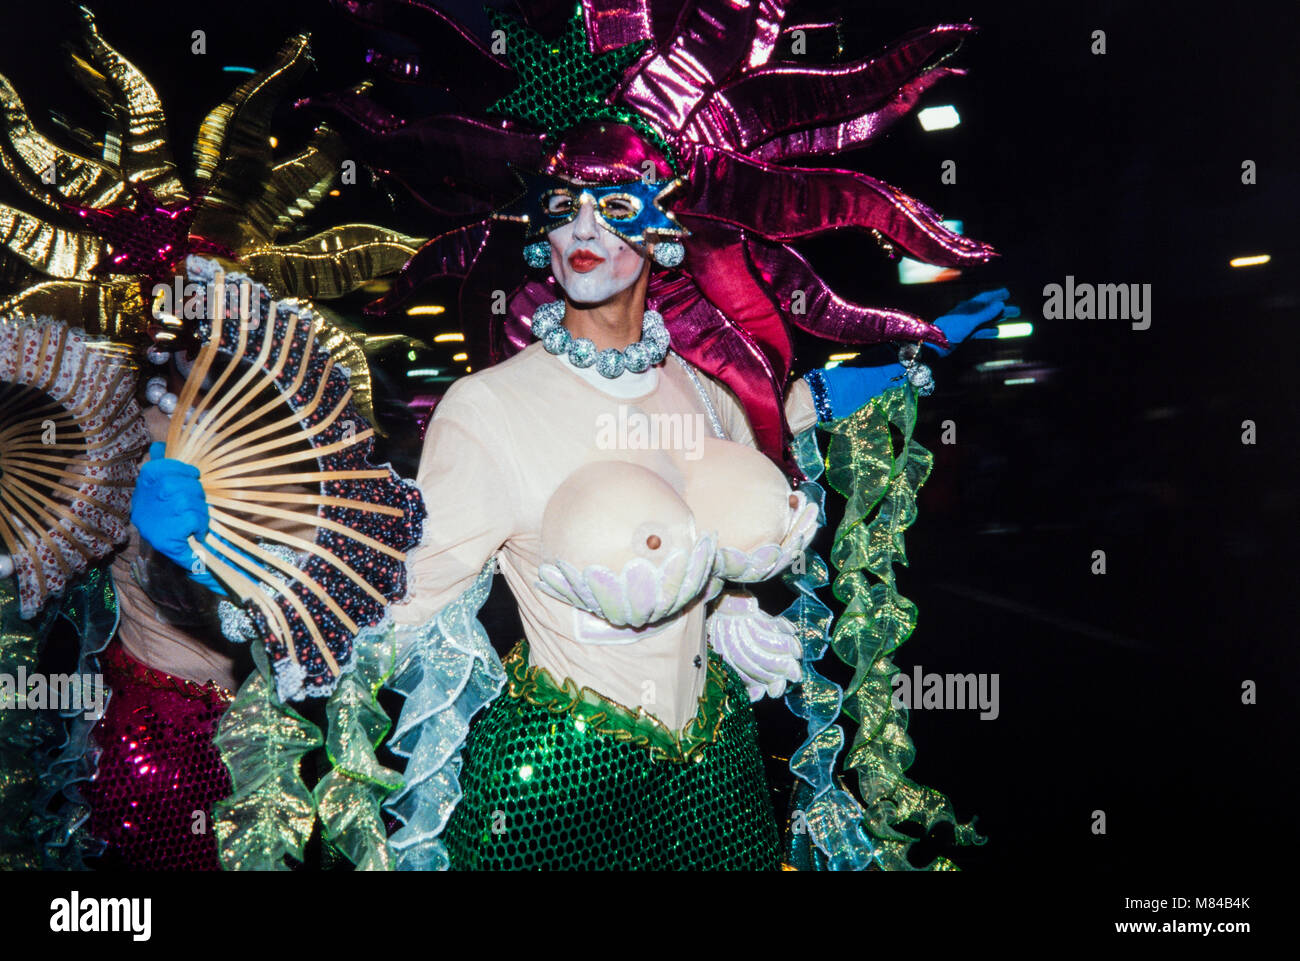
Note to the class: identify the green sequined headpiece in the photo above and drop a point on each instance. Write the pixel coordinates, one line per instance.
(563, 84)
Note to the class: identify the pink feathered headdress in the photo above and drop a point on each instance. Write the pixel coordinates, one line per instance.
(693, 87)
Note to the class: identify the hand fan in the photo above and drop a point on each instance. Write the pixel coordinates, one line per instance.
(71, 437)
(266, 415)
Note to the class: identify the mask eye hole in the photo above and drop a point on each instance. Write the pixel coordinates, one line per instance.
(620, 207)
(558, 203)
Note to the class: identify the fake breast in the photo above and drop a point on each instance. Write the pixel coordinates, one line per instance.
(620, 542)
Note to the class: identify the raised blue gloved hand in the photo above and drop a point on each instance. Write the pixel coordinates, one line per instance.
(168, 507)
(840, 391)
(985, 308)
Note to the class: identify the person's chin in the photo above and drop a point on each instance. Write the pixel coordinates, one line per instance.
(591, 291)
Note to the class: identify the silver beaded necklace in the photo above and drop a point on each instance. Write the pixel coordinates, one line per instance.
(581, 352)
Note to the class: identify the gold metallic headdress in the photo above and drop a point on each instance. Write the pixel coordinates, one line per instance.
(111, 227)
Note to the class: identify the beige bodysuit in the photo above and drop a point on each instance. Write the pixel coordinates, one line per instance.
(502, 442)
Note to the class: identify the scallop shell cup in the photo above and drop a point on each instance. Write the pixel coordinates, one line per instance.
(641, 593)
(746, 567)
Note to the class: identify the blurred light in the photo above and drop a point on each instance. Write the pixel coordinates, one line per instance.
(1018, 329)
(376, 340)
(842, 357)
(939, 118)
(912, 271)
(1252, 261)
(274, 143)
(459, 357)
(449, 339)
(239, 70)
(1013, 381)
(830, 365)
(411, 355)
(469, 370)
(424, 310)
(424, 372)
(336, 192)
(995, 364)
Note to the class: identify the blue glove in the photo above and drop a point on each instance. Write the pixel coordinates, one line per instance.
(169, 506)
(960, 322)
(840, 391)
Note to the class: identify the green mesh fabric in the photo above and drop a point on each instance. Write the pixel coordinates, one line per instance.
(544, 790)
(561, 83)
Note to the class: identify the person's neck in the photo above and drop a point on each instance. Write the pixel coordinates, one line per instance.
(612, 323)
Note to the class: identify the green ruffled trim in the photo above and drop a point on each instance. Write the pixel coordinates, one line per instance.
(881, 489)
(348, 798)
(270, 813)
(538, 687)
(22, 733)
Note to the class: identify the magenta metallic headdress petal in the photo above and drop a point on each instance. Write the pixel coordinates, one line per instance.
(724, 114)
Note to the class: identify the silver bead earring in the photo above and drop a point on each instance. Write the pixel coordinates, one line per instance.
(538, 254)
(669, 253)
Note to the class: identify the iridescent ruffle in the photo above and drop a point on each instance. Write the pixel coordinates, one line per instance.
(349, 796)
(880, 488)
(270, 812)
(22, 733)
(448, 672)
(826, 821)
(91, 607)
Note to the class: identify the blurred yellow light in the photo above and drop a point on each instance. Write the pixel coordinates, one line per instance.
(449, 339)
(336, 192)
(424, 310)
(1252, 261)
(460, 357)
(274, 143)
(842, 357)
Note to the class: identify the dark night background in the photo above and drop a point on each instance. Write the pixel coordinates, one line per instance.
(1119, 692)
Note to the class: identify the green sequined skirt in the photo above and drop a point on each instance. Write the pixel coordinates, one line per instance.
(559, 778)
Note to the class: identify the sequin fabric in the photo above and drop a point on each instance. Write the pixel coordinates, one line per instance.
(159, 770)
(544, 791)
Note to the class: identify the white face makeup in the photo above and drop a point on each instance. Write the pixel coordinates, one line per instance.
(589, 262)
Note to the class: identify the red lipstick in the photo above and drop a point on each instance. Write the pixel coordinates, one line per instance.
(584, 260)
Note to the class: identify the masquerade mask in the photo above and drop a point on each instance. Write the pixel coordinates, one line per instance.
(630, 211)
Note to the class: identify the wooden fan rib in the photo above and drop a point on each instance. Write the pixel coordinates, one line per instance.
(219, 435)
(69, 492)
(293, 600)
(213, 393)
(299, 377)
(246, 590)
(324, 500)
(270, 463)
(218, 519)
(15, 541)
(225, 408)
(198, 373)
(294, 417)
(293, 573)
(65, 513)
(32, 423)
(19, 466)
(8, 494)
(308, 519)
(308, 477)
(11, 536)
(130, 455)
(290, 422)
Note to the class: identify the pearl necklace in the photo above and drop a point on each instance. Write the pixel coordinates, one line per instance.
(581, 352)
